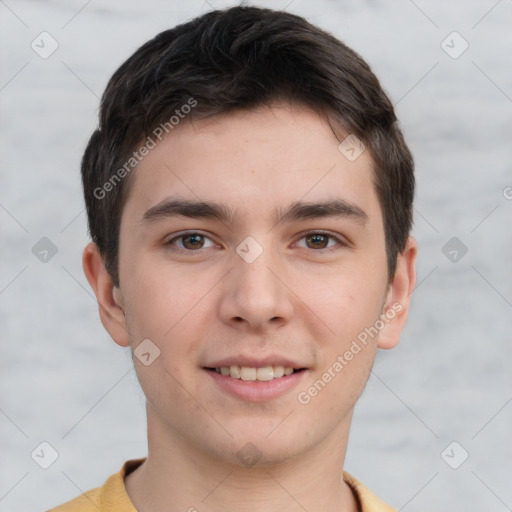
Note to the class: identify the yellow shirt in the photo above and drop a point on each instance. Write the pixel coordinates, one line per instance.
(112, 496)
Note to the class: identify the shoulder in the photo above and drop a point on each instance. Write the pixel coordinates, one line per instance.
(111, 497)
(368, 502)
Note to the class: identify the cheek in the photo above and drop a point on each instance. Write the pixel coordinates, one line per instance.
(164, 315)
(350, 306)
(348, 302)
(168, 308)
(163, 299)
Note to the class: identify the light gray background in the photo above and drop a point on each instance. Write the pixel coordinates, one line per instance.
(65, 382)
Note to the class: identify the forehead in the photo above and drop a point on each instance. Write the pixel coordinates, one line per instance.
(258, 162)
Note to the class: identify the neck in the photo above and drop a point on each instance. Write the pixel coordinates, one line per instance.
(177, 476)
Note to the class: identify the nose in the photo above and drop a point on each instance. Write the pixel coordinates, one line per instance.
(255, 295)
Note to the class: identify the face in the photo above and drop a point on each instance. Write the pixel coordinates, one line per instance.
(249, 244)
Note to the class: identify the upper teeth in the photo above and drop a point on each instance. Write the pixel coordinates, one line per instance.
(247, 373)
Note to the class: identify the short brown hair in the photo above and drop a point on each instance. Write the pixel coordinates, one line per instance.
(234, 59)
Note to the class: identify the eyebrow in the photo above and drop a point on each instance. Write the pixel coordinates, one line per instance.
(298, 210)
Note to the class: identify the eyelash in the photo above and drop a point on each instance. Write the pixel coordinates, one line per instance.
(340, 243)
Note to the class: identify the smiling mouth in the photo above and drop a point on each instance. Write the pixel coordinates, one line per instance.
(263, 374)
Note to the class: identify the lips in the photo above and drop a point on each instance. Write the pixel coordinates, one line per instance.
(256, 379)
(252, 389)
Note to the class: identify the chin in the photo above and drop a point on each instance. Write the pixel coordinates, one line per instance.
(259, 450)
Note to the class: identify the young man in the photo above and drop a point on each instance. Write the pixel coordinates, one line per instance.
(249, 197)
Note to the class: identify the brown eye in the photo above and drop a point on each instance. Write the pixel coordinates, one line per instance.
(193, 241)
(321, 241)
(317, 241)
(190, 242)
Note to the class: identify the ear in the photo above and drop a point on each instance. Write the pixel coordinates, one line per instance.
(109, 297)
(396, 307)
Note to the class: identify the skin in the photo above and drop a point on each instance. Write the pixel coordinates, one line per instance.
(295, 299)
